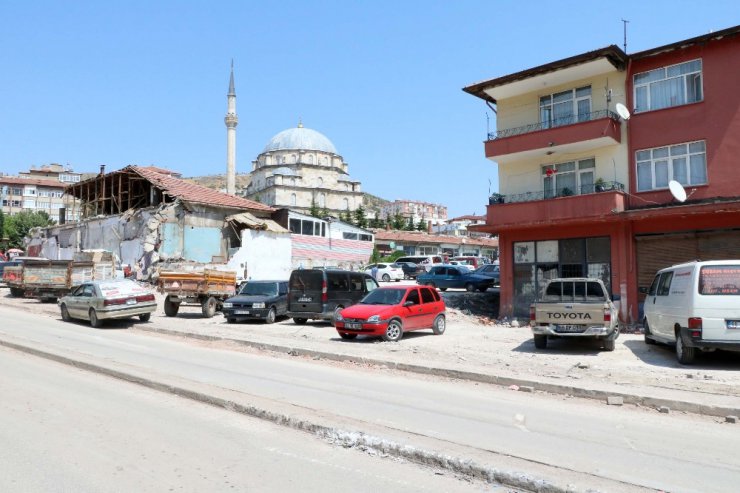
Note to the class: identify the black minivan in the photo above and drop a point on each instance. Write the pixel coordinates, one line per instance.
(317, 294)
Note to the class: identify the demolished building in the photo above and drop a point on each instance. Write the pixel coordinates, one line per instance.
(149, 218)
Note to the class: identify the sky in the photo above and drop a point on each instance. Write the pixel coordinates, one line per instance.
(87, 83)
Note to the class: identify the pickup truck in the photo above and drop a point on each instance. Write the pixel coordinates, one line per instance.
(575, 307)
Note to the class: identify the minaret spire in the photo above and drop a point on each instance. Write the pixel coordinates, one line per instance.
(231, 122)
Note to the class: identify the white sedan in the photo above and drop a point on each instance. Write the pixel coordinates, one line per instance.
(386, 272)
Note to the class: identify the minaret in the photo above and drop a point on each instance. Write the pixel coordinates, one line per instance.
(231, 122)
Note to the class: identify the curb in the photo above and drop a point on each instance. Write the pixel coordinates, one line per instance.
(344, 438)
(552, 388)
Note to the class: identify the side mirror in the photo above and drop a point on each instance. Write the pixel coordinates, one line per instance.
(642, 290)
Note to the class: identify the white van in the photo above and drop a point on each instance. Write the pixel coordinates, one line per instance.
(695, 306)
(426, 261)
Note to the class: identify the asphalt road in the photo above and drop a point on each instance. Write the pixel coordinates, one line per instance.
(70, 430)
(654, 451)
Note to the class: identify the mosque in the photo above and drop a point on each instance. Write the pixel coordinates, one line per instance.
(299, 167)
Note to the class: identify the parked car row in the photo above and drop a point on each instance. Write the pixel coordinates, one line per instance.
(447, 276)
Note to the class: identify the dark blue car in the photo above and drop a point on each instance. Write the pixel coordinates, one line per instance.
(454, 276)
(257, 300)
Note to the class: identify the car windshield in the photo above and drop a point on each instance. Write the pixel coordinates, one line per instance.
(384, 297)
(252, 288)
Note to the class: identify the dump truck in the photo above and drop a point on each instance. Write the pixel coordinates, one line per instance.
(208, 288)
(575, 307)
(48, 280)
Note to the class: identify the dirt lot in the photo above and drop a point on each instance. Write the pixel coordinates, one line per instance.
(477, 344)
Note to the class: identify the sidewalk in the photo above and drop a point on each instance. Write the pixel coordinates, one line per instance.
(473, 348)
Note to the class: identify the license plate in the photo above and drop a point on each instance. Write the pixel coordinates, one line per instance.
(304, 299)
(131, 302)
(569, 328)
(352, 325)
(733, 324)
(241, 312)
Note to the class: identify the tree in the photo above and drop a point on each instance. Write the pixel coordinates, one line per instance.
(324, 213)
(2, 223)
(375, 257)
(410, 225)
(360, 219)
(399, 222)
(422, 226)
(16, 227)
(314, 209)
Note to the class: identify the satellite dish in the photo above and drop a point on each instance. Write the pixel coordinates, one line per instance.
(677, 191)
(622, 111)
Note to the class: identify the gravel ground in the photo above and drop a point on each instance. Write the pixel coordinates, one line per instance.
(472, 343)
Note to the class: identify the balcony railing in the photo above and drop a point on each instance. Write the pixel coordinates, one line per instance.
(558, 122)
(497, 198)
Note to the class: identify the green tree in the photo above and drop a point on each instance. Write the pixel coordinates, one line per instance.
(360, 219)
(422, 226)
(375, 257)
(399, 222)
(314, 209)
(410, 226)
(2, 223)
(16, 227)
(324, 213)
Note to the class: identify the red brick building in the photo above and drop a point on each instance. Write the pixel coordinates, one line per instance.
(586, 192)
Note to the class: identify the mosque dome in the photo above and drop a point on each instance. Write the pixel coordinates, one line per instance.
(300, 138)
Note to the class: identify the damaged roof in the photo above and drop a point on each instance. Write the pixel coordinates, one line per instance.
(135, 187)
(190, 192)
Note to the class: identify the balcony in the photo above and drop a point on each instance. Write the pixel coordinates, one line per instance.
(591, 203)
(577, 133)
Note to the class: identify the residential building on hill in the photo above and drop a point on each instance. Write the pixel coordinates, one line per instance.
(430, 213)
(458, 226)
(588, 150)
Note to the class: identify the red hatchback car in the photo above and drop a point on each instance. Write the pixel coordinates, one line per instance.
(388, 312)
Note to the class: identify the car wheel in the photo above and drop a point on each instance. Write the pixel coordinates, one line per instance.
(345, 335)
(386, 278)
(65, 313)
(609, 344)
(271, 315)
(684, 354)
(483, 289)
(443, 289)
(648, 335)
(439, 325)
(300, 321)
(394, 331)
(94, 320)
(209, 307)
(540, 341)
(170, 308)
(16, 292)
(230, 320)
(469, 287)
(144, 317)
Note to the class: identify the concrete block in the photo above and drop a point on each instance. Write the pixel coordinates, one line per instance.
(731, 419)
(526, 388)
(614, 400)
(664, 409)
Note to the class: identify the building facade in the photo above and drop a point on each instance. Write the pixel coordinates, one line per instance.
(430, 213)
(585, 191)
(459, 226)
(41, 189)
(420, 243)
(299, 167)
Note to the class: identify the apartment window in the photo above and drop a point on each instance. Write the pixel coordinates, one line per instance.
(685, 163)
(571, 178)
(69, 178)
(565, 108)
(292, 199)
(29, 204)
(349, 236)
(668, 86)
(428, 250)
(16, 191)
